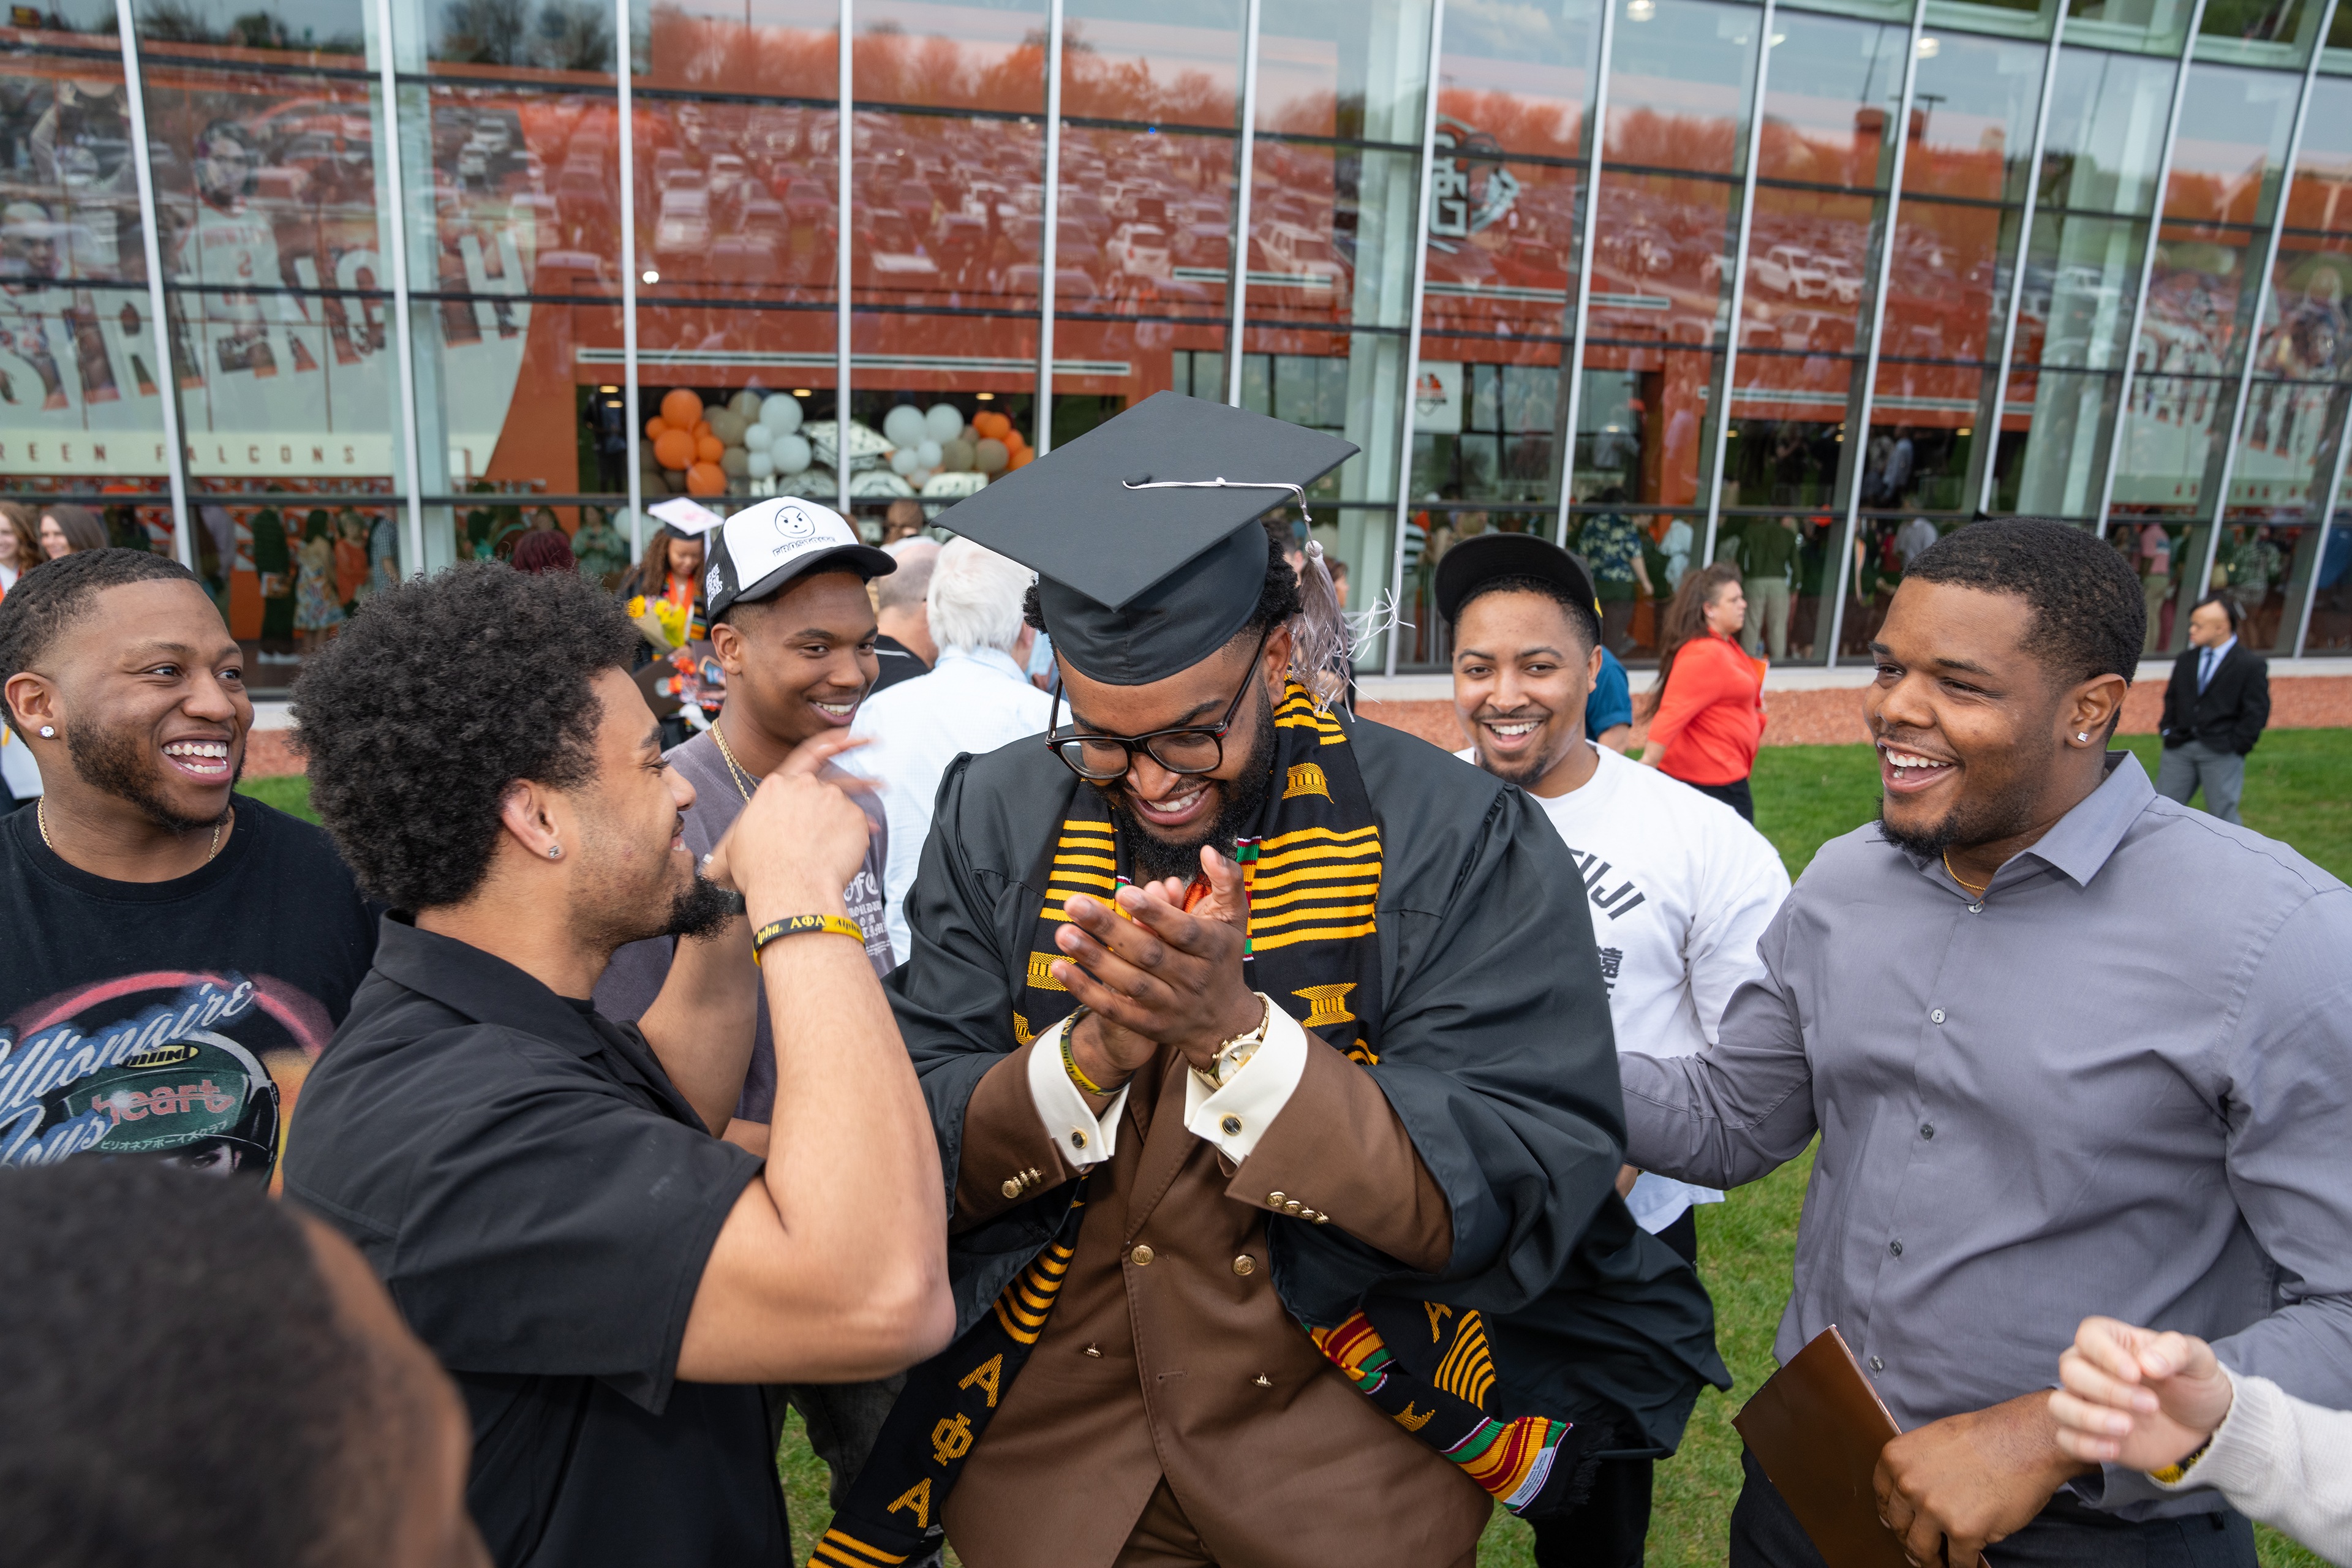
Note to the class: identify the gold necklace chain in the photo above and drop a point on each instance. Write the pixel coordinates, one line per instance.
(1974, 890)
(41, 819)
(734, 768)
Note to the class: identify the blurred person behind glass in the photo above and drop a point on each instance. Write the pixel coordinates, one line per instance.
(20, 543)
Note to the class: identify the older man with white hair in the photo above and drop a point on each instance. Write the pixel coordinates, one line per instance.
(905, 645)
(976, 699)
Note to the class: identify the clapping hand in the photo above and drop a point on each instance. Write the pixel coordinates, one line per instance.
(1155, 975)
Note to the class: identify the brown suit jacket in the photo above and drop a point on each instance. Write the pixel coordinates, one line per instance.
(1169, 1355)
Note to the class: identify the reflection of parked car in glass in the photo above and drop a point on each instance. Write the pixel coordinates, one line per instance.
(1138, 250)
(888, 252)
(1070, 282)
(1791, 269)
(1845, 279)
(684, 227)
(1298, 255)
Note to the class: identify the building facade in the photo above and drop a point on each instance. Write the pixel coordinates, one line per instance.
(315, 295)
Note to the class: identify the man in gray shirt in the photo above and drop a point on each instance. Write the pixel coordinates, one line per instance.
(2043, 1088)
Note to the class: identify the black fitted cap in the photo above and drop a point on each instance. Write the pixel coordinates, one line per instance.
(1137, 584)
(1484, 557)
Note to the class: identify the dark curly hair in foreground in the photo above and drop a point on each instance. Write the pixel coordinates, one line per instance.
(2087, 612)
(1278, 598)
(181, 1386)
(49, 597)
(437, 697)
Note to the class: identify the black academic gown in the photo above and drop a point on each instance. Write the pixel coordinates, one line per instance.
(1496, 1053)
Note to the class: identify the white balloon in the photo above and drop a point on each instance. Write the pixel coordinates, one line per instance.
(757, 436)
(944, 422)
(781, 414)
(903, 426)
(929, 454)
(758, 463)
(790, 453)
(904, 461)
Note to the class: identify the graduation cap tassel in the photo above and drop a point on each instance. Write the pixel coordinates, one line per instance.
(1322, 648)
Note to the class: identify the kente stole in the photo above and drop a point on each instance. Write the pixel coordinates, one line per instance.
(1313, 876)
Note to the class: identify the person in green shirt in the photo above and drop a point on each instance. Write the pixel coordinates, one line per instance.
(1768, 559)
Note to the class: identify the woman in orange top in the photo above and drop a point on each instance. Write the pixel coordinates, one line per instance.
(1707, 710)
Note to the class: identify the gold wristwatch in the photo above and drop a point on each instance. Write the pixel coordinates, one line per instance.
(1235, 1053)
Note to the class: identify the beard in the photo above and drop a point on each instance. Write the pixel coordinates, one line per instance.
(115, 761)
(1240, 801)
(2001, 815)
(702, 909)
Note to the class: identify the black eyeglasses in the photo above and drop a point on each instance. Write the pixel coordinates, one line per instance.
(1187, 750)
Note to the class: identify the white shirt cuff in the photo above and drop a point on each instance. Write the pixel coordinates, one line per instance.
(1236, 1116)
(1083, 1138)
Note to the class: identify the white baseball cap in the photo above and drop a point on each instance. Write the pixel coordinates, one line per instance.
(763, 547)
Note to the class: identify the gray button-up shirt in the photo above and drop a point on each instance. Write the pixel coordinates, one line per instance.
(2120, 1083)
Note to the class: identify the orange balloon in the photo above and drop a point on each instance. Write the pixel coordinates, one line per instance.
(681, 407)
(1012, 437)
(1021, 457)
(673, 449)
(991, 424)
(654, 426)
(701, 428)
(706, 479)
(709, 448)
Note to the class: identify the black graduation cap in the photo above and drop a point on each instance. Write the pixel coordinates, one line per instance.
(1486, 556)
(1144, 532)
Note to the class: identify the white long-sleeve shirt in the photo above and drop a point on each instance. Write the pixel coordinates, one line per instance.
(2284, 1462)
(974, 700)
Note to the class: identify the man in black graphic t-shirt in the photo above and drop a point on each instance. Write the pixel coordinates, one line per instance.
(178, 957)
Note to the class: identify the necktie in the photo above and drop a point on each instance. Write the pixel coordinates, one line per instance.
(2205, 670)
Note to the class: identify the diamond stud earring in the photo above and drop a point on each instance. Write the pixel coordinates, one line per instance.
(2081, 734)
(49, 732)
(554, 851)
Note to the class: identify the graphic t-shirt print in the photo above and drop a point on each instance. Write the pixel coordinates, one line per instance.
(195, 1068)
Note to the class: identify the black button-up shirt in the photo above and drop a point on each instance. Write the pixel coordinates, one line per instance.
(542, 1202)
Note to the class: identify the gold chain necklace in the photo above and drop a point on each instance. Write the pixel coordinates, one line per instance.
(734, 768)
(1974, 890)
(41, 819)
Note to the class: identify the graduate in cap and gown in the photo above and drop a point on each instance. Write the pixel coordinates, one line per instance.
(1272, 1069)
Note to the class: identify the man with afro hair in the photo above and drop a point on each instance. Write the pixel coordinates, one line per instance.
(546, 1193)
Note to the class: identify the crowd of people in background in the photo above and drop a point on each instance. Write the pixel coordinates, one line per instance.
(608, 1153)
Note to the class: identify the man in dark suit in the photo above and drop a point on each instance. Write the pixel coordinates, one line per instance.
(2214, 711)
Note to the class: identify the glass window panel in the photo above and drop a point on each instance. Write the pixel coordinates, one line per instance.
(1808, 256)
(1149, 222)
(2270, 566)
(2172, 431)
(80, 395)
(1950, 275)
(916, 239)
(2234, 124)
(1835, 84)
(267, 201)
(1660, 256)
(2321, 199)
(1788, 425)
(1502, 241)
(1343, 68)
(2331, 604)
(2081, 275)
(1639, 423)
(2151, 26)
(1330, 235)
(2106, 135)
(1973, 117)
(1678, 86)
(1129, 59)
(2287, 449)
(776, 48)
(229, 30)
(1923, 430)
(980, 56)
(2069, 419)
(1518, 74)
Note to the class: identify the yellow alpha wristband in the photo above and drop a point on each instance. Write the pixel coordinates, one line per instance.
(801, 925)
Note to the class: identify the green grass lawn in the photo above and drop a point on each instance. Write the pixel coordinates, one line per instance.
(2295, 791)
